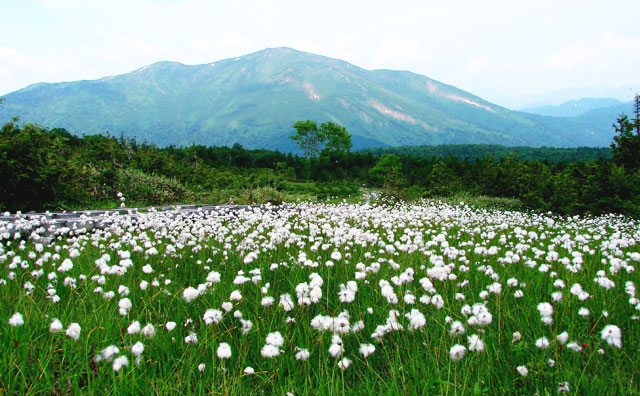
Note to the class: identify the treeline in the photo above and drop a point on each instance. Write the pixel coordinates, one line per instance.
(52, 169)
(480, 151)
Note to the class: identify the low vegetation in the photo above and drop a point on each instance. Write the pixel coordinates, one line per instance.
(428, 298)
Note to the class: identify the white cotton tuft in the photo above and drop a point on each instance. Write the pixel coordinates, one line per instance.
(457, 352)
(16, 319)
(137, 349)
(612, 335)
(55, 326)
(189, 294)
(73, 331)
(120, 362)
(224, 351)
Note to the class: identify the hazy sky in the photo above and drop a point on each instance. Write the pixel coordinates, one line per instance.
(493, 48)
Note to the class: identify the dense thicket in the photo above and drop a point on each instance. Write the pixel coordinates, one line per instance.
(52, 169)
(479, 151)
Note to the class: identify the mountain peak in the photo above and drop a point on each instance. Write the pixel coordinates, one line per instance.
(255, 99)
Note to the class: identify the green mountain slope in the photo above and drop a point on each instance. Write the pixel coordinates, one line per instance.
(254, 99)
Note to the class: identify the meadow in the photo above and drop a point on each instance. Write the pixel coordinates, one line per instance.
(426, 298)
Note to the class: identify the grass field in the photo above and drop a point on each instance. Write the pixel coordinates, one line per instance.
(429, 298)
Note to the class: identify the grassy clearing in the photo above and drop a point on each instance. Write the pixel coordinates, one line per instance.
(398, 278)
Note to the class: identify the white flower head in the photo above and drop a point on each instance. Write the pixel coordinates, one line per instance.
(120, 362)
(457, 352)
(612, 335)
(16, 319)
(224, 351)
(522, 370)
(367, 349)
(73, 331)
(137, 349)
(55, 326)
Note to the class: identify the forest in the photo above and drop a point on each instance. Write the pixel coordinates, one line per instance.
(51, 169)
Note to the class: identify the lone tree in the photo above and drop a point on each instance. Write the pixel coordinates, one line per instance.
(626, 143)
(330, 137)
(336, 136)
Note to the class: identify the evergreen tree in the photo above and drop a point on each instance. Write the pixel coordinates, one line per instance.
(626, 145)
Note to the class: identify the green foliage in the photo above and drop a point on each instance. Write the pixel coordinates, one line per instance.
(33, 169)
(387, 172)
(137, 186)
(626, 143)
(337, 138)
(331, 137)
(308, 137)
(339, 190)
(473, 152)
(44, 169)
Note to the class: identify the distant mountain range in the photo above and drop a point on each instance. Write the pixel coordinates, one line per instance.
(623, 93)
(255, 99)
(574, 108)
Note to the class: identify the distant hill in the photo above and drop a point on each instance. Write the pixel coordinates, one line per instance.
(254, 100)
(574, 108)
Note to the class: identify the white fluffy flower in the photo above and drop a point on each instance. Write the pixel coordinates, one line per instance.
(612, 335)
(16, 319)
(55, 326)
(224, 351)
(302, 354)
(134, 328)
(73, 331)
(367, 349)
(148, 330)
(542, 343)
(456, 328)
(522, 370)
(475, 343)
(516, 337)
(344, 363)
(270, 351)
(108, 353)
(189, 294)
(137, 349)
(235, 295)
(124, 305)
(457, 352)
(563, 337)
(545, 309)
(275, 339)
(192, 338)
(120, 362)
(212, 316)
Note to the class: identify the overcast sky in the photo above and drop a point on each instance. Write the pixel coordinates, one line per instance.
(493, 48)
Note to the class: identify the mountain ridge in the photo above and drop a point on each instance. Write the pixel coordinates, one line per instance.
(573, 108)
(255, 99)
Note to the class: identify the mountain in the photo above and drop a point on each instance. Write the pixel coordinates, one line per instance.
(623, 93)
(573, 108)
(255, 99)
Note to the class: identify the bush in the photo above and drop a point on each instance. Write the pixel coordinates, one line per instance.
(150, 189)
